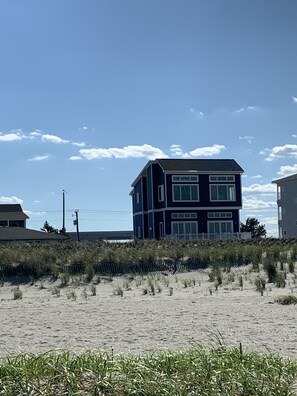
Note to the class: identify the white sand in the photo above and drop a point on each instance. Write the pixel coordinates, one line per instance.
(136, 323)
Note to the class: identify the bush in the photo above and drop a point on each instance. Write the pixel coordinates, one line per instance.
(286, 299)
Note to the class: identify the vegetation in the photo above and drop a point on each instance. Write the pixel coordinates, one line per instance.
(198, 371)
(253, 226)
(286, 299)
(67, 259)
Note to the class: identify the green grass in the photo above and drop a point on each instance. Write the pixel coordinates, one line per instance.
(198, 371)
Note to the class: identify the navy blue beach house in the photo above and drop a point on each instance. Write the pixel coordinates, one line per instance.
(187, 198)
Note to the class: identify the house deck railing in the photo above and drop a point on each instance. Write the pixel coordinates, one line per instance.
(210, 236)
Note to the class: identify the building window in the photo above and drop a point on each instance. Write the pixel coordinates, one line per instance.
(185, 230)
(220, 227)
(185, 192)
(221, 178)
(137, 198)
(180, 178)
(280, 213)
(222, 192)
(4, 223)
(217, 215)
(184, 215)
(161, 193)
(161, 230)
(138, 232)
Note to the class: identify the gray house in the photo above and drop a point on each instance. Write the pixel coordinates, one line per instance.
(287, 206)
(13, 227)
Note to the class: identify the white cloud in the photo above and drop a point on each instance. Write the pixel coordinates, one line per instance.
(247, 108)
(176, 150)
(79, 144)
(287, 170)
(271, 220)
(286, 151)
(207, 151)
(258, 204)
(83, 128)
(35, 133)
(10, 137)
(10, 200)
(256, 177)
(294, 99)
(260, 189)
(53, 139)
(294, 136)
(41, 157)
(247, 138)
(75, 158)
(198, 114)
(146, 151)
(29, 213)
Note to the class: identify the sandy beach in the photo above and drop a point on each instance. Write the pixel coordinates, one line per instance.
(185, 309)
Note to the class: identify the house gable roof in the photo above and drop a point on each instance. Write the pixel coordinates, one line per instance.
(199, 165)
(284, 179)
(12, 212)
(196, 165)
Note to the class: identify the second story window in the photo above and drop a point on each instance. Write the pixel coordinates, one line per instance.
(222, 192)
(161, 193)
(184, 192)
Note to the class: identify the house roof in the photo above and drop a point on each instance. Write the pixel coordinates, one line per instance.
(10, 234)
(196, 165)
(12, 212)
(200, 165)
(284, 179)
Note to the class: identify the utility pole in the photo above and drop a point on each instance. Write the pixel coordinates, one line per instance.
(63, 227)
(75, 222)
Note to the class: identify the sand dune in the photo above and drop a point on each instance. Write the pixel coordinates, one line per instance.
(135, 323)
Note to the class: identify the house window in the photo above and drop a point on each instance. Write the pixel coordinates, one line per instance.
(137, 198)
(221, 178)
(220, 227)
(184, 230)
(222, 192)
(184, 215)
(217, 215)
(161, 229)
(4, 223)
(280, 213)
(185, 192)
(180, 178)
(161, 193)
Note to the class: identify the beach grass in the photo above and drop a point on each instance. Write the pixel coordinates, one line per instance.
(197, 371)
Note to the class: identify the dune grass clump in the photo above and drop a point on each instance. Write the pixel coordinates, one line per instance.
(286, 299)
(198, 371)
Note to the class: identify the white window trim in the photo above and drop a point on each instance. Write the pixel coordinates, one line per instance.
(180, 215)
(228, 178)
(220, 221)
(219, 215)
(195, 179)
(222, 200)
(185, 200)
(161, 193)
(184, 222)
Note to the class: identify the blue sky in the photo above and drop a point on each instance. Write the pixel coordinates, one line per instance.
(92, 89)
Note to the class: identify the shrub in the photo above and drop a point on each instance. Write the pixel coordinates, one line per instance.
(260, 284)
(286, 299)
(17, 293)
(280, 279)
(271, 270)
